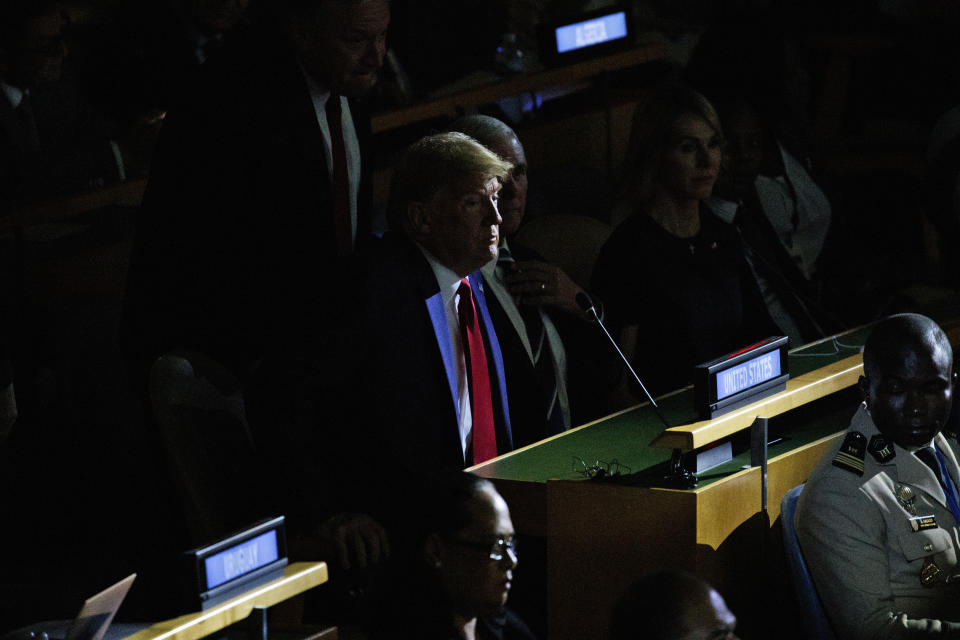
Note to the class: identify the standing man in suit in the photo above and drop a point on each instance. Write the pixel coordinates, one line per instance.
(259, 184)
(878, 521)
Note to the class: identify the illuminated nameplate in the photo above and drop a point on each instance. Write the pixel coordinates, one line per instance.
(741, 377)
(573, 38)
(589, 33)
(749, 374)
(239, 562)
(241, 559)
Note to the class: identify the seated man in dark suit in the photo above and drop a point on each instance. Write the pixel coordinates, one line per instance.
(411, 379)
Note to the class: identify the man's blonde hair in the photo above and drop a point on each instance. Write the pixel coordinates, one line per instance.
(434, 162)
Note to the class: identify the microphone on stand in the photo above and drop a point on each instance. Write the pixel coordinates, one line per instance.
(587, 305)
(678, 475)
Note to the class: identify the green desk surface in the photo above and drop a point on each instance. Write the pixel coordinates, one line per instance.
(625, 437)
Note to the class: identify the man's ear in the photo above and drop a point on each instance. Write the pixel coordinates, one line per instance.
(434, 551)
(418, 215)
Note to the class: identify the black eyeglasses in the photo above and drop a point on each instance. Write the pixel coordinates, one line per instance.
(497, 550)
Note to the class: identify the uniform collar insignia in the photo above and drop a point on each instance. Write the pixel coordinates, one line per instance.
(881, 450)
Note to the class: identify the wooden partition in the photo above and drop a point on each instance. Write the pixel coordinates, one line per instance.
(297, 578)
(602, 536)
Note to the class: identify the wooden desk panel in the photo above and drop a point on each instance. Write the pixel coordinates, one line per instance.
(601, 537)
(800, 391)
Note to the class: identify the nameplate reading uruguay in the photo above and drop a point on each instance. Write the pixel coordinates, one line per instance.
(241, 559)
(238, 562)
(748, 374)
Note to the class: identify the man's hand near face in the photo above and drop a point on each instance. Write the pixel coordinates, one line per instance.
(541, 283)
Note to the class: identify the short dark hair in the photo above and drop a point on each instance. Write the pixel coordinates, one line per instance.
(486, 130)
(655, 606)
(902, 328)
(441, 507)
(450, 497)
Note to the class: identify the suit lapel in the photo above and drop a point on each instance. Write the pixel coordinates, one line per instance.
(500, 292)
(438, 318)
(476, 282)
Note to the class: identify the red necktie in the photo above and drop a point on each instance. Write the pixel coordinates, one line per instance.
(341, 184)
(481, 406)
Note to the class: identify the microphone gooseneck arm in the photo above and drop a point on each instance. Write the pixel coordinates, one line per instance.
(587, 305)
(677, 475)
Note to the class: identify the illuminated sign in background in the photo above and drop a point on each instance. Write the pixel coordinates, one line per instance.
(591, 32)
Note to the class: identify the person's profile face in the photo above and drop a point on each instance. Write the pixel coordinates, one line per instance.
(463, 224)
(691, 162)
(345, 45)
(513, 196)
(475, 582)
(909, 392)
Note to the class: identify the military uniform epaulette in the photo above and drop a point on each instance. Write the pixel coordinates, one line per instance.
(881, 450)
(850, 455)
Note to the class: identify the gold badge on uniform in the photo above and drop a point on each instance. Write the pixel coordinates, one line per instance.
(922, 523)
(929, 573)
(906, 497)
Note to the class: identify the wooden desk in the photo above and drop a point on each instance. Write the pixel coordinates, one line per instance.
(601, 537)
(297, 578)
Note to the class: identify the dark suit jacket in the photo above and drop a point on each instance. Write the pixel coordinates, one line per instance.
(357, 413)
(235, 230)
(589, 360)
(527, 399)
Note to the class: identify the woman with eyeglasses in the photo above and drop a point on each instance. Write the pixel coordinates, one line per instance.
(456, 564)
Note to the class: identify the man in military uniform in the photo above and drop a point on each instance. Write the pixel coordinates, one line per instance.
(878, 518)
